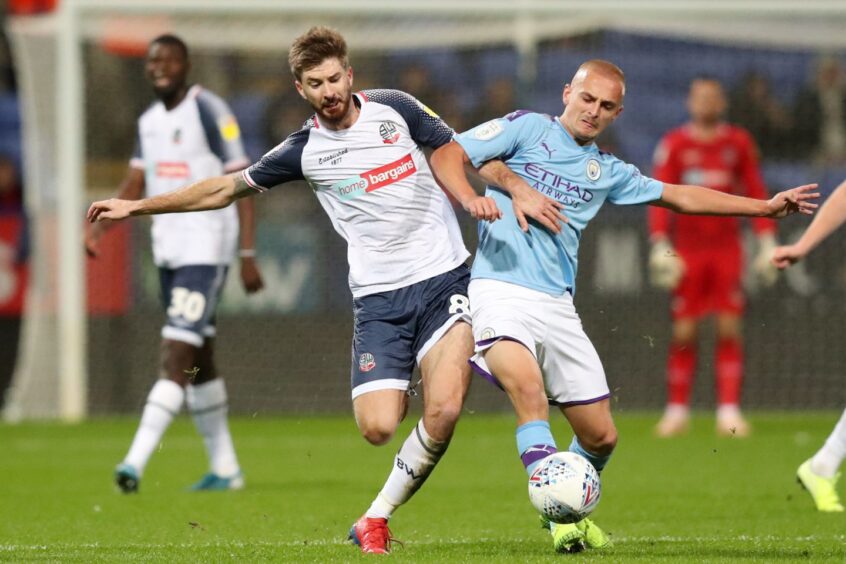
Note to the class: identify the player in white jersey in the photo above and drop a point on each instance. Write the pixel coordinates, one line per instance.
(529, 338)
(361, 154)
(820, 473)
(187, 135)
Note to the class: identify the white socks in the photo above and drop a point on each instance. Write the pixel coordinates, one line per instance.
(412, 465)
(827, 461)
(163, 403)
(208, 406)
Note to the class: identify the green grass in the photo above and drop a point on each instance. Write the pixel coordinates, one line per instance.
(698, 498)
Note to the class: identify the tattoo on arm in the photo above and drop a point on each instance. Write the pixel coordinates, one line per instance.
(242, 189)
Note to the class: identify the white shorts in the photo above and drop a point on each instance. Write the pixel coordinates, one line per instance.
(546, 325)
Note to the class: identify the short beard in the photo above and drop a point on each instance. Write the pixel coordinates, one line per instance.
(345, 109)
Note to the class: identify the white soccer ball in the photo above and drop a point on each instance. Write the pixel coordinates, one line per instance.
(565, 487)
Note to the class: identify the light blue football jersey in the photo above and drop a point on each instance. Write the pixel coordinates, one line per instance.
(542, 152)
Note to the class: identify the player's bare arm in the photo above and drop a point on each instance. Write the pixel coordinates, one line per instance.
(448, 165)
(250, 274)
(209, 194)
(131, 188)
(450, 161)
(704, 201)
(526, 200)
(830, 217)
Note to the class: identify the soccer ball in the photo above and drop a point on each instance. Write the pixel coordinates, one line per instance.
(565, 487)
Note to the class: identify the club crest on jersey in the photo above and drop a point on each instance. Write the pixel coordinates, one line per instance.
(366, 362)
(177, 136)
(488, 130)
(594, 171)
(388, 131)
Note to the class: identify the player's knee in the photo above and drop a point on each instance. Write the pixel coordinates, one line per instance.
(377, 432)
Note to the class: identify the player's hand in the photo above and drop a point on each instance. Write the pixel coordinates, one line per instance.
(481, 207)
(113, 209)
(795, 200)
(787, 255)
(665, 265)
(544, 210)
(91, 241)
(765, 271)
(250, 275)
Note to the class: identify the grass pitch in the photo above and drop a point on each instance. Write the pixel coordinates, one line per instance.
(697, 498)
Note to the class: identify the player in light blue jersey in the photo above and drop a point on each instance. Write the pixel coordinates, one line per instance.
(529, 338)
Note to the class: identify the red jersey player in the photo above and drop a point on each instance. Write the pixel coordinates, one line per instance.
(700, 257)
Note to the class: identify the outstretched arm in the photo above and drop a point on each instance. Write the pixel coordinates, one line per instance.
(209, 194)
(704, 201)
(831, 216)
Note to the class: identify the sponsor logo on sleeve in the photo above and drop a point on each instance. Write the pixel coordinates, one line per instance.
(488, 130)
(229, 129)
(371, 180)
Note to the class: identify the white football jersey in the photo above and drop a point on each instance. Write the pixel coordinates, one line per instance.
(376, 186)
(197, 139)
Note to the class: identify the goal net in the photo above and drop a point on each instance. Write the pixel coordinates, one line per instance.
(91, 331)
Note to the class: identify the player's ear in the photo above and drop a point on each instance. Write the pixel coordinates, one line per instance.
(618, 112)
(565, 97)
(350, 75)
(299, 87)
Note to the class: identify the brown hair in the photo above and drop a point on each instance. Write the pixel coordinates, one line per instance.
(315, 46)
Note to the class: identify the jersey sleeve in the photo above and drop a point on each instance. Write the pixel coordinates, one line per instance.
(753, 182)
(630, 186)
(426, 127)
(665, 168)
(501, 138)
(137, 159)
(222, 131)
(281, 164)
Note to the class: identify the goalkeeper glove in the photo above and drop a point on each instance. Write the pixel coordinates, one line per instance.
(665, 266)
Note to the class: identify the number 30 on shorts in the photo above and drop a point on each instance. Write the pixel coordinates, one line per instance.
(187, 304)
(459, 304)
